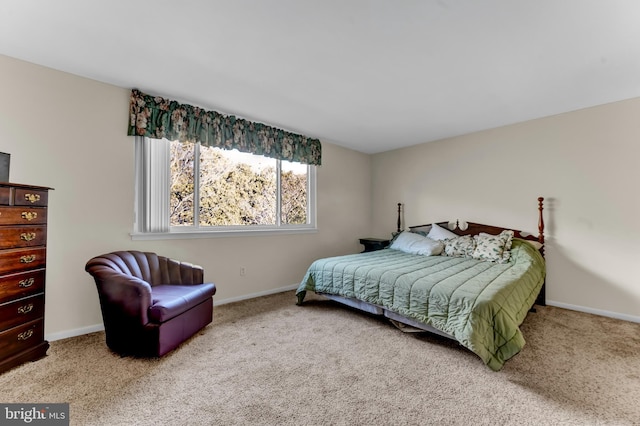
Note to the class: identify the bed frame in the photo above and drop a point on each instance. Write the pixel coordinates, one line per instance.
(470, 228)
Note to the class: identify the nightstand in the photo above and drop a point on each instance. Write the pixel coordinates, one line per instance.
(373, 244)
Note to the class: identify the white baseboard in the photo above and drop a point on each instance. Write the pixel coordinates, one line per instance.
(254, 295)
(593, 311)
(100, 327)
(73, 333)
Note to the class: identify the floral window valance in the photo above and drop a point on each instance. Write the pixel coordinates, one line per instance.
(158, 118)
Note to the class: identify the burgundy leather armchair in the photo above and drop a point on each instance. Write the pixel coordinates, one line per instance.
(150, 304)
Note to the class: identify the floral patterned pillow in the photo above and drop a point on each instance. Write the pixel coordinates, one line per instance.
(462, 246)
(494, 248)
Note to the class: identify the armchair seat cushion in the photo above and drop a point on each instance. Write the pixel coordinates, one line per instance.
(169, 301)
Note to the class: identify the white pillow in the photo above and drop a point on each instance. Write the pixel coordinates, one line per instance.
(404, 240)
(439, 233)
(410, 242)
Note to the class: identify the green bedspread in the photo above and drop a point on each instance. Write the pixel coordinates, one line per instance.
(480, 303)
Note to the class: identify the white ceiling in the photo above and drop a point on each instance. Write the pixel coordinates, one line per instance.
(368, 75)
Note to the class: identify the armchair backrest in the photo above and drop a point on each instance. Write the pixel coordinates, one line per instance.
(148, 267)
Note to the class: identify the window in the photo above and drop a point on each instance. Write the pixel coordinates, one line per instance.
(186, 189)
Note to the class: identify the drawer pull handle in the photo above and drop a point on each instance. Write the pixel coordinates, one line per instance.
(26, 283)
(29, 215)
(25, 334)
(28, 236)
(27, 259)
(25, 309)
(32, 198)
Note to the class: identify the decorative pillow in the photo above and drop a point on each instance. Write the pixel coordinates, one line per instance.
(460, 246)
(410, 242)
(494, 248)
(439, 233)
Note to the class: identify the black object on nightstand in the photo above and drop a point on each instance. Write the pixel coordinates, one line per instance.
(373, 244)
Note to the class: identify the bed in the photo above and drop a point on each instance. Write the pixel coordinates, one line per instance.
(478, 291)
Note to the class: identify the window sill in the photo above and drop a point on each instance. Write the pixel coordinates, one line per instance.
(186, 235)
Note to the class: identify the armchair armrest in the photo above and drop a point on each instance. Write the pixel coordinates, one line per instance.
(123, 296)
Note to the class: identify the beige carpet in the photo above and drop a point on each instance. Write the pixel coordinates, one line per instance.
(267, 361)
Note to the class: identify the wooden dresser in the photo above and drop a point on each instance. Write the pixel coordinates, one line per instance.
(23, 258)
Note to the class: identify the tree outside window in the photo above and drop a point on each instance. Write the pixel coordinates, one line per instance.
(235, 189)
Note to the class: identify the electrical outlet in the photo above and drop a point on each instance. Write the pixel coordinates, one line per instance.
(242, 271)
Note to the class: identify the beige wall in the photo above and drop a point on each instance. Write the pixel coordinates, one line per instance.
(69, 133)
(585, 163)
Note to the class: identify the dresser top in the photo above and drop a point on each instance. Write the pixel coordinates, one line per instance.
(20, 185)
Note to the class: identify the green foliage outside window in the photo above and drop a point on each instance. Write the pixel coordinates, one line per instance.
(234, 192)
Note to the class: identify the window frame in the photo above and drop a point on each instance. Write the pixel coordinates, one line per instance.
(151, 204)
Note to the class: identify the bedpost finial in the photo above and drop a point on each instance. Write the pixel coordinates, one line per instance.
(399, 217)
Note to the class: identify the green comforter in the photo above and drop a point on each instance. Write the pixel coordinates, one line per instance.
(480, 303)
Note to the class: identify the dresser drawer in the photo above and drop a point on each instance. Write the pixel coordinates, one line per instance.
(16, 260)
(21, 311)
(16, 286)
(5, 195)
(22, 337)
(23, 215)
(30, 197)
(22, 236)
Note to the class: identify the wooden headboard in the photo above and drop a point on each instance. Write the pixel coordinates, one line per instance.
(476, 228)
